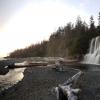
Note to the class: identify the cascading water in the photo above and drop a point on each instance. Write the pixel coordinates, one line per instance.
(93, 56)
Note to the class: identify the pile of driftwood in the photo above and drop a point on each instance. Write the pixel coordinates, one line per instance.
(66, 91)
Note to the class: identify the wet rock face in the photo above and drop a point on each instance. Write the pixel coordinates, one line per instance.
(3, 64)
(3, 71)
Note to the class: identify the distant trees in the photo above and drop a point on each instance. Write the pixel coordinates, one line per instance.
(31, 51)
(71, 40)
(98, 27)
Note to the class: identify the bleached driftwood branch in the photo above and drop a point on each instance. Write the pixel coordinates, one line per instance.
(65, 91)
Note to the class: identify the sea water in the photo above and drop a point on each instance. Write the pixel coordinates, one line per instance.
(11, 78)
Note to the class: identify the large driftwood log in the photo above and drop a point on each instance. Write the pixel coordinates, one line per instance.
(66, 91)
(27, 64)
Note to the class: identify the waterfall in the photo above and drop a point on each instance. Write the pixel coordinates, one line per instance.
(93, 56)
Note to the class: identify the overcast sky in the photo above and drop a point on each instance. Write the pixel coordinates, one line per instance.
(24, 22)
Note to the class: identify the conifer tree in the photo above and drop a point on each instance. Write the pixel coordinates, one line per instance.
(99, 19)
(98, 27)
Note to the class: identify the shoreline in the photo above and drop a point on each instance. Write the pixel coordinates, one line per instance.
(42, 83)
(38, 82)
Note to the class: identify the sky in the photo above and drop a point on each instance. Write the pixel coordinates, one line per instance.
(26, 22)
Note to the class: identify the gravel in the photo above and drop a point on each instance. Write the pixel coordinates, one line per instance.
(39, 81)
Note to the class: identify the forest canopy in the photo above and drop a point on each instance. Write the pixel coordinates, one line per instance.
(72, 40)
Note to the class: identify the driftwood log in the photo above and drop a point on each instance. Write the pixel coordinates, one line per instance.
(66, 91)
(5, 69)
(21, 65)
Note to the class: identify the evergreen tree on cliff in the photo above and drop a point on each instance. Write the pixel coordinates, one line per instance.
(71, 40)
(98, 27)
(92, 29)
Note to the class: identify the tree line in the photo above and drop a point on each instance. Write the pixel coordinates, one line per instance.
(72, 40)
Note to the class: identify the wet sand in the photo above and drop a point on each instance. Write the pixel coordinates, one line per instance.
(38, 82)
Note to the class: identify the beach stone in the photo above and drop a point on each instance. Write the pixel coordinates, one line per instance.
(38, 81)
